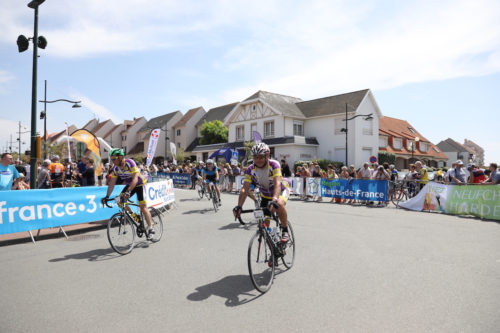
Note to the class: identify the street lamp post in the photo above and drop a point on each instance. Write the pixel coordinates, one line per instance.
(368, 117)
(43, 115)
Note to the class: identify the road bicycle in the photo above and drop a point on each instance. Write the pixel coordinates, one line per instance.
(213, 196)
(265, 249)
(202, 190)
(404, 190)
(258, 198)
(125, 225)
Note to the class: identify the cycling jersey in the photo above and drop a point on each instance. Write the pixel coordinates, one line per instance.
(479, 176)
(126, 174)
(209, 172)
(264, 178)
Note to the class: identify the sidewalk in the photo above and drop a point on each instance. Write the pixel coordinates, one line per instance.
(24, 237)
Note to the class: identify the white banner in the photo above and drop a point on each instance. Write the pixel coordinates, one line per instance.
(239, 182)
(159, 194)
(153, 141)
(173, 150)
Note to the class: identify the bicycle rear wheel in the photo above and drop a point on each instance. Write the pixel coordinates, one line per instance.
(200, 193)
(260, 257)
(157, 224)
(396, 195)
(288, 249)
(121, 234)
(402, 198)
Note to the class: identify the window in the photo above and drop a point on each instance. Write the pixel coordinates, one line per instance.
(178, 132)
(398, 143)
(124, 138)
(367, 127)
(125, 150)
(254, 129)
(272, 152)
(411, 145)
(339, 124)
(437, 151)
(298, 128)
(240, 133)
(269, 129)
(411, 129)
(423, 146)
(178, 145)
(382, 142)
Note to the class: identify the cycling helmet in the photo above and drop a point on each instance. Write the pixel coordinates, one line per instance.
(55, 157)
(391, 166)
(201, 162)
(116, 152)
(260, 149)
(209, 161)
(470, 166)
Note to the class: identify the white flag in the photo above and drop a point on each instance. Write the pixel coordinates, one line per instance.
(153, 141)
(173, 150)
(69, 150)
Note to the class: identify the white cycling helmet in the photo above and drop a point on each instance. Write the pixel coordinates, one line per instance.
(260, 149)
(201, 162)
(209, 161)
(470, 166)
(391, 166)
(55, 157)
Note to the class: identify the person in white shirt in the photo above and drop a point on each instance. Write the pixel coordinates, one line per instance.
(447, 176)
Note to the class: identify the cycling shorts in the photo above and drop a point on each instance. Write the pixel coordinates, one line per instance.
(283, 196)
(212, 179)
(139, 190)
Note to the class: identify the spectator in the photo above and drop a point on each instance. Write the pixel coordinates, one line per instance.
(447, 176)
(374, 168)
(352, 175)
(458, 175)
(411, 178)
(57, 175)
(382, 175)
(20, 183)
(317, 174)
(285, 169)
(365, 172)
(43, 175)
(476, 175)
(422, 174)
(344, 174)
(393, 173)
(494, 178)
(439, 175)
(20, 167)
(8, 173)
(89, 174)
(235, 171)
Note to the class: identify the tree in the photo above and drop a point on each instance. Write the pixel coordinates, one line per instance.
(213, 132)
(180, 155)
(248, 148)
(60, 149)
(385, 156)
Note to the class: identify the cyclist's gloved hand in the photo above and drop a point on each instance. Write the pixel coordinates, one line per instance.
(237, 211)
(126, 195)
(104, 200)
(273, 206)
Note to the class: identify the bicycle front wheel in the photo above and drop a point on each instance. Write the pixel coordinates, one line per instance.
(157, 224)
(200, 193)
(215, 200)
(288, 249)
(402, 198)
(121, 234)
(261, 262)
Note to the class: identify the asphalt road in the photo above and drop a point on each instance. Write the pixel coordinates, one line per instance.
(357, 269)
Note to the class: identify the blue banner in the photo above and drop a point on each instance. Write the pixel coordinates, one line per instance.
(40, 209)
(373, 190)
(178, 178)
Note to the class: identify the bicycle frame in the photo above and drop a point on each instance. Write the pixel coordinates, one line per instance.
(277, 251)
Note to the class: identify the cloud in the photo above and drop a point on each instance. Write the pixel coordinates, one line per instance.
(99, 110)
(5, 78)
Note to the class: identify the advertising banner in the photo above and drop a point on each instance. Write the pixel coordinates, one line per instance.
(40, 209)
(373, 190)
(93, 147)
(296, 184)
(153, 141)
(178, 178)
(173, 150)
(159, 194)
(481, 200)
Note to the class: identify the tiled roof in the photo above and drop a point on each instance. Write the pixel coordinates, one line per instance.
(284, 104)
(54, 137)
(87, 124)
(459, 146)
(401, 129)
(99, 126)
(111, 131)
(187, 116)
(193, 145)
(470, 142)
(138, 148)
(271, 142)
(218, 113)
(157, 122)
(332, 105)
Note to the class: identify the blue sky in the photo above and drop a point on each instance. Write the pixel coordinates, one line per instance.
(434, 64)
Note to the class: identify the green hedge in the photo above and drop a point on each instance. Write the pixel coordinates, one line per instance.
(385, 156)
(323, 164)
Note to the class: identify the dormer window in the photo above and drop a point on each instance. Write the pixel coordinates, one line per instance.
(411, 129)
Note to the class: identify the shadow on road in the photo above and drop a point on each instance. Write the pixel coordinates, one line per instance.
(199, 211)
(237, 225)
(98, 254)
(231, 288)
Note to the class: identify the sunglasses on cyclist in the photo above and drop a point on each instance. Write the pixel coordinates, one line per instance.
(114, 158)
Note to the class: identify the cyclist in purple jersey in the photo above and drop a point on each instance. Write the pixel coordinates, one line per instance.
(266, 174)
(128, 171)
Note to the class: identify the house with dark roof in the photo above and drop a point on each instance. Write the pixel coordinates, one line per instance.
(301, 130)
(203, 151)
(408, 144)
(457, 151)
(129, 135)
(165, 123)
(185, 130)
